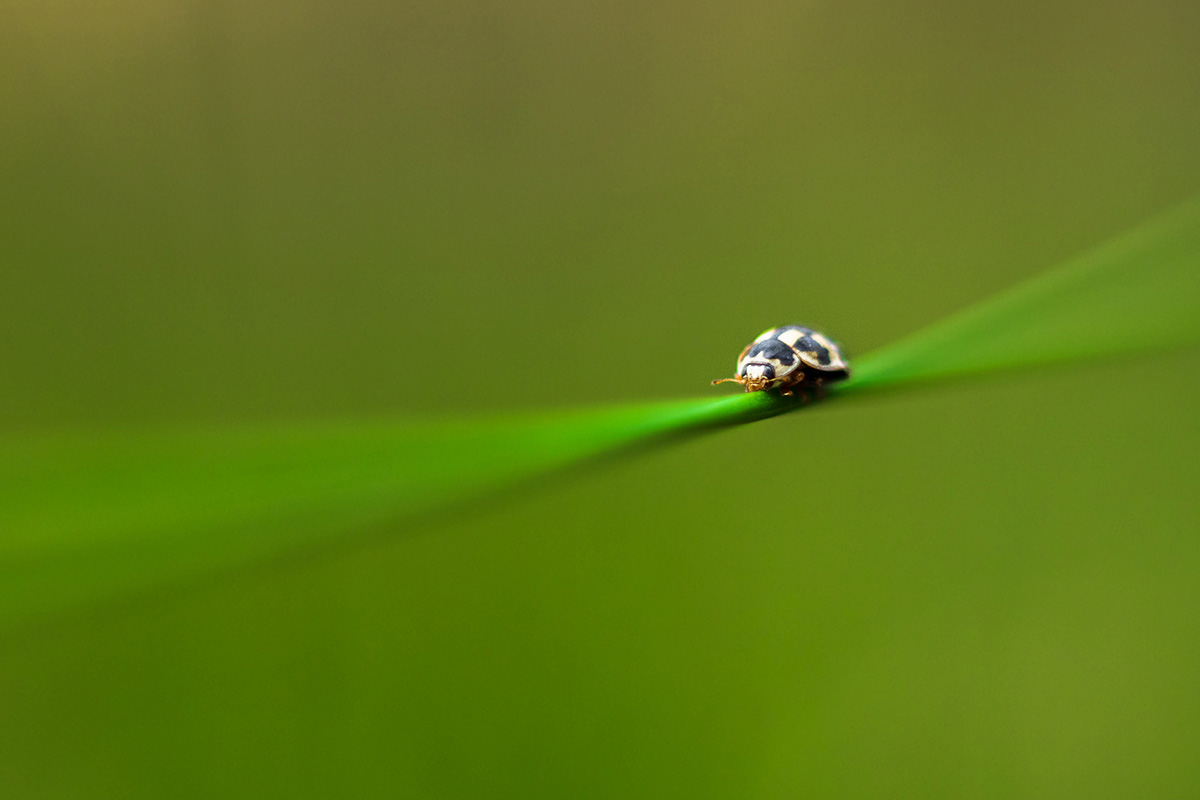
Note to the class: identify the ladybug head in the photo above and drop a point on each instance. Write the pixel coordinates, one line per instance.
(763, 363)
(756, 376)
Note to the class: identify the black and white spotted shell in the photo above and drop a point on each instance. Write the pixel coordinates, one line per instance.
(781, 351)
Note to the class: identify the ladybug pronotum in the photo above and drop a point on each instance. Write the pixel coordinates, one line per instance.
(792, 359)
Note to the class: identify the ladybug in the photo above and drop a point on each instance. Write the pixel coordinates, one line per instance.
(791, 358)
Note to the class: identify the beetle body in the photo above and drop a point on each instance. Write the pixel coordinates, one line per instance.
(791, 359)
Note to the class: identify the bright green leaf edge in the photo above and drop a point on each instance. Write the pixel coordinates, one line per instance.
(86, 517)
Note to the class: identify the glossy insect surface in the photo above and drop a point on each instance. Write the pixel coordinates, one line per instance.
(792, 359)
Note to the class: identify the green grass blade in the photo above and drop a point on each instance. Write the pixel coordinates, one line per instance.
(87, 517)
(1123, 300)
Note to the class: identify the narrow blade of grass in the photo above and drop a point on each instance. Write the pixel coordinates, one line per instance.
(88, 517)
(1123, 300)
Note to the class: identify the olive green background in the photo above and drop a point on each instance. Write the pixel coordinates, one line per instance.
(234, 213)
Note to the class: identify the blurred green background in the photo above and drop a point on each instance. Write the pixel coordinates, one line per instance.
(240, 213)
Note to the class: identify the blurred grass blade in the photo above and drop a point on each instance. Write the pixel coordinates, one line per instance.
(1125, 299)
(84, 516)
(89, 517)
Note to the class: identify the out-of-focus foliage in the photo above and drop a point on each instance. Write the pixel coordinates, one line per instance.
(96, 516)
(1125, 300)
(255, 216)
(90, 518)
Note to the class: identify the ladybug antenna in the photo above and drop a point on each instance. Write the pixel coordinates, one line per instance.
(738, 379)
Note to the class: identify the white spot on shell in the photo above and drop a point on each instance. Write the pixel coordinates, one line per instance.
(791, 337)
(765, 335)
(835, 360)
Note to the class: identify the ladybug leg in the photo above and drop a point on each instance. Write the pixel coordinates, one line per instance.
(791, 386)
